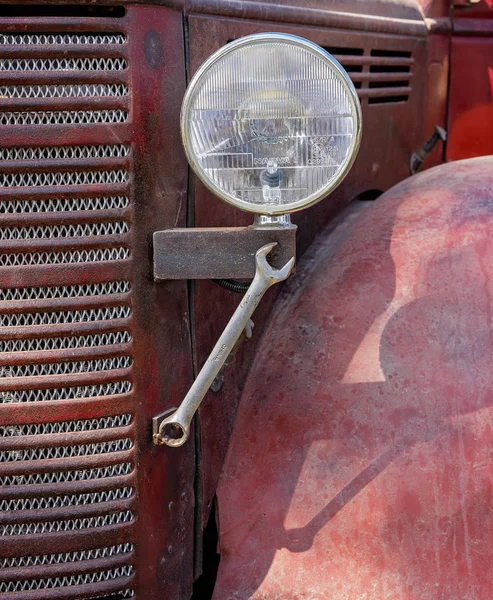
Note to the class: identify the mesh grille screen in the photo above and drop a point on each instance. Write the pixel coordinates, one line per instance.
(59, 231)
(58, 39)
(65, 501)
(69, 525)
(68, 368)
(67, 476)
(73, 117)
(71, 256)
(64, 152)
(88, 341)
(68, 557)
(64, 204)
(60, 582)
(67, 451)
(76, 316)
(63, 91)
(62, 178)
(45, 395)
(66, 426)
(67, 291)
(62, 64)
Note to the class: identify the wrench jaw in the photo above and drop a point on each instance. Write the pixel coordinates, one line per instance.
(269, 273)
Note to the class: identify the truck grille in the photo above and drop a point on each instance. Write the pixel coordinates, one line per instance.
(67, 426)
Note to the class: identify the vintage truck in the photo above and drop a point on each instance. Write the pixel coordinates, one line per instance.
(345, 450)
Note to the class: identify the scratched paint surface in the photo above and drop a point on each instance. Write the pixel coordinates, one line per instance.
(361, 462)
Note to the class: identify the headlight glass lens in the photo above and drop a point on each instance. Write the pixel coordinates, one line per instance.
(271, 123)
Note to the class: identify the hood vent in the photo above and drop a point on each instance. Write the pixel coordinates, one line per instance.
(381, 76)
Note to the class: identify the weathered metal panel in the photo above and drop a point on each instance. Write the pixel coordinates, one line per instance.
(359, 465)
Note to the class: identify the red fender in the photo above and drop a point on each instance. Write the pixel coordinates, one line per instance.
(361, 463)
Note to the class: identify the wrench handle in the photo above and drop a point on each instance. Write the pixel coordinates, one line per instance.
(175, 429)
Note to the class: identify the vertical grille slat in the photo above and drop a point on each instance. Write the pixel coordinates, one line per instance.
(49, 82)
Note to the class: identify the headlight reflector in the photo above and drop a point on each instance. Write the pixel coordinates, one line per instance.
(271, 123)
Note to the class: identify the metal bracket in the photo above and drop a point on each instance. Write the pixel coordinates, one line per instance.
(218, 253)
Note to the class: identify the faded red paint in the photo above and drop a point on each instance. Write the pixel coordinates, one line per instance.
(470, 106)
(360, 463)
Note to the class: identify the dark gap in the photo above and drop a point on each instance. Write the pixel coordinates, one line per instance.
(204, 586)
(389, 69)
(388, 99)
(395, 53)
(388, 84)
(61, 10)
(368, 195)
(353, 68)
(357, 84)
(344, 51)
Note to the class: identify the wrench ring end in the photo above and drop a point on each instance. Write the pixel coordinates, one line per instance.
(172, 433)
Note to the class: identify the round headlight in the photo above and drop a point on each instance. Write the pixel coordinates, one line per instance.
(271, 123)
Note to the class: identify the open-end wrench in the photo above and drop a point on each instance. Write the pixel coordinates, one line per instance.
(175, 429)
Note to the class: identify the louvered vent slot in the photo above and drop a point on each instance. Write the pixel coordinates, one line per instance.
(391, 76)
(382, 76)
(66, 322)
(350, 64)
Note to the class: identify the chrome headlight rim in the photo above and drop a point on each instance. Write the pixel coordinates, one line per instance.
(337, 68)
